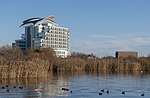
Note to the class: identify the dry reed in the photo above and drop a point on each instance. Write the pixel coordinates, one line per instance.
(16, 64)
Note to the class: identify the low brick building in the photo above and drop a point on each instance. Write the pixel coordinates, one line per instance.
(126, 54)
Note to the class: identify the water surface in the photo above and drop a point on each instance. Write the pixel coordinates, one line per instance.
(82, 85)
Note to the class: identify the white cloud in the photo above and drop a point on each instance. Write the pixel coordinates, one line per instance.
(103, 36)
(103, 45)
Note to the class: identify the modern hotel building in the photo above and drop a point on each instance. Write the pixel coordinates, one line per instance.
(44, 33)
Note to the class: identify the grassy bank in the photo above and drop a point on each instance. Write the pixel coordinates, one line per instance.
(30, 64)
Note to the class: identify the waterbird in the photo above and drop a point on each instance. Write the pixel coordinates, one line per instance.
(6, 85)
(20, 87)
(70, 91)
(7, 90)
(14, 86)
(102, 90)
(65, 89)
(100, 93)
(3, 87)
(142, 94)
(123, 92)
(107, 91)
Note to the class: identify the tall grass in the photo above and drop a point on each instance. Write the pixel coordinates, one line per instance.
(110, 64)
(17, 64)
(42, 63)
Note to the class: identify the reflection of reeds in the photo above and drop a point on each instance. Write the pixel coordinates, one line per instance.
(16, 64)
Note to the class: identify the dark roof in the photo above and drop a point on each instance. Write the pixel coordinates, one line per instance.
(35, 20)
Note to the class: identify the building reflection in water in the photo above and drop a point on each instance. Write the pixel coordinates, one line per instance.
(36, 87)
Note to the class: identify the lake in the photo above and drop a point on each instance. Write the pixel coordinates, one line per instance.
(79, 85)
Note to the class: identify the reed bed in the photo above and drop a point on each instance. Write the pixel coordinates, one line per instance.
(16, 64)
(89, 65)
(25, 69)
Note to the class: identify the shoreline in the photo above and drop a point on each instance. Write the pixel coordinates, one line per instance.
(32, 64)
(37, 67)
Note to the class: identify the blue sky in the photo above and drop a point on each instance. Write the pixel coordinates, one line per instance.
(100, 27)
